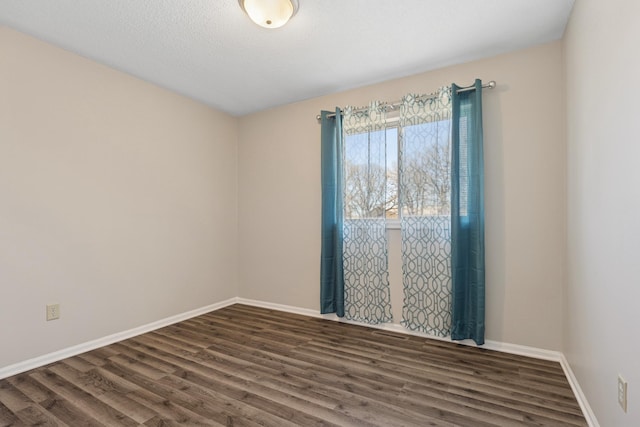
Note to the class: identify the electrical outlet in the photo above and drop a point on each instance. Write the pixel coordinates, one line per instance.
(622, 393)
(53, 311)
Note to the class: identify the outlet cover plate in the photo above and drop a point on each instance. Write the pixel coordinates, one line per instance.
(622, 393)
(53, 311)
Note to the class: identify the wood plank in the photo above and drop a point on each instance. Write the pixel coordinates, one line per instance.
(91, 408)
(8, 417)
(34, 415)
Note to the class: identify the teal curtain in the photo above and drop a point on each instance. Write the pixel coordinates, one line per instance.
(467, 215)
(331, 269)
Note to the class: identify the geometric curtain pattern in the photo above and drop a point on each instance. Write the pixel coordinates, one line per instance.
(367, 119)
(425, 188)
(426, 267)
(416, 109)
(367, 297)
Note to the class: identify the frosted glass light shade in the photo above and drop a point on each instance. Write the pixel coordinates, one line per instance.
(269, 13)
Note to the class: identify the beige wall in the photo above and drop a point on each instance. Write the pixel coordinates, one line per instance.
(603, 125)
(279, 194)
(117, 200)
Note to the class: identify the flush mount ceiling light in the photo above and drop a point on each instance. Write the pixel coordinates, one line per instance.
(269, 13)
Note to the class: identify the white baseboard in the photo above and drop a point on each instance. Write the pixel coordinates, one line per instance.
(282, 307)
(577, 391)
(110, 339)
(36, 362)
(521, 350)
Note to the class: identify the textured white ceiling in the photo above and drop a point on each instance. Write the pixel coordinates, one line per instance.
(210, 50)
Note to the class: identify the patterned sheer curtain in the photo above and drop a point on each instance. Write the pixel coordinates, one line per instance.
(425, 203)
(367, 296)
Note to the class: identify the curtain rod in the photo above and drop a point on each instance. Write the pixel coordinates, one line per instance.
(396, 104)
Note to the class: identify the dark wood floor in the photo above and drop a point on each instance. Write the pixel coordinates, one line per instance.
(249, 366)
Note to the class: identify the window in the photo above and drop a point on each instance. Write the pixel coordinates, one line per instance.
(406, 166)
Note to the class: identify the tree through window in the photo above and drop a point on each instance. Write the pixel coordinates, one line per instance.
(375, 163)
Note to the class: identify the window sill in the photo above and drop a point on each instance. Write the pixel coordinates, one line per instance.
(393, 224)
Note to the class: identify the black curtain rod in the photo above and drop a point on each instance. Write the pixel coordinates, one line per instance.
(396, 104)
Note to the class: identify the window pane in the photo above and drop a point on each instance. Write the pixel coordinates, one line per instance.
(426, 169)
(371, 183)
